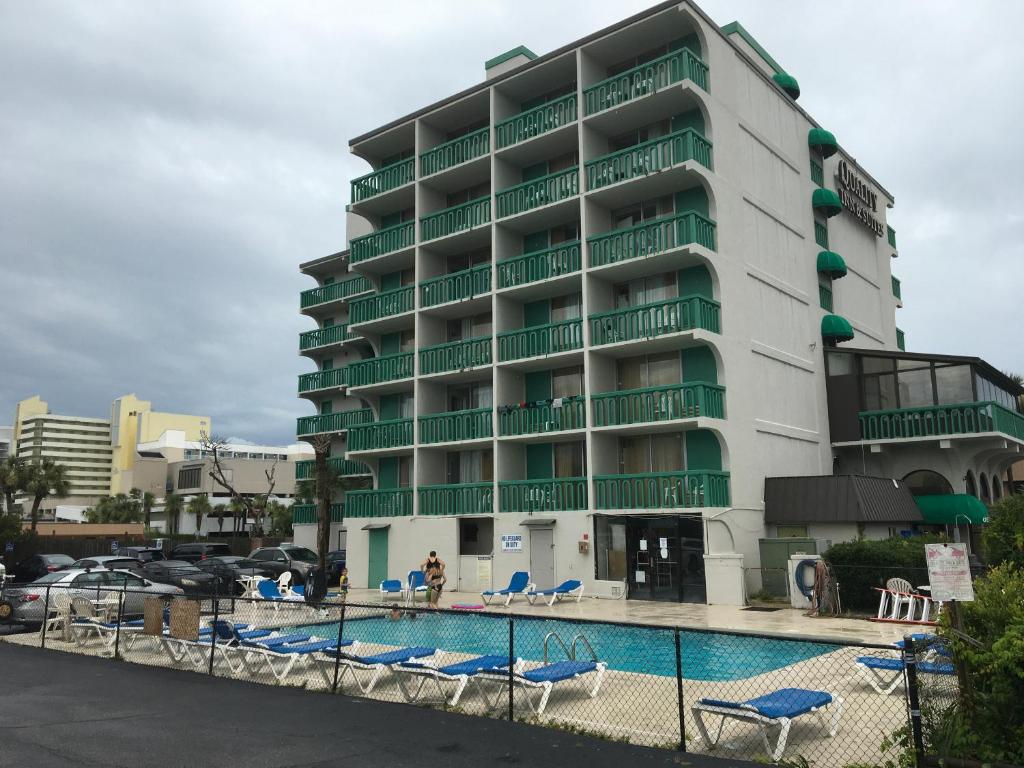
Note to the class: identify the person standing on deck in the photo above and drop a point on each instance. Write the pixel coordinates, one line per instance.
(433, 573)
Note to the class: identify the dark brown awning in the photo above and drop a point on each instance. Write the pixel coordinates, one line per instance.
(838, 499)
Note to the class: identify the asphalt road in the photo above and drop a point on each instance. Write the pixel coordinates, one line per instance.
(59, 709)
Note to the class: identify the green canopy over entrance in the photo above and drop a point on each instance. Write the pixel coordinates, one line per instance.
(951, 508)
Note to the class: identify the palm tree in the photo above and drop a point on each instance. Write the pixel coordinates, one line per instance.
(45, 478)
(238, 513)
(12, 480)
(173, 504)
(148, 500)
(199, 506)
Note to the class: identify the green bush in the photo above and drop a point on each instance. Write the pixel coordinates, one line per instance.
(1002, 538)
(861, 566)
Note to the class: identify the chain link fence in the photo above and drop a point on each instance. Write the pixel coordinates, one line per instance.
(740, 695)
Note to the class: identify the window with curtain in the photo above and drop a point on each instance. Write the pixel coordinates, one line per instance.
(652, 453)
(649, 371)
(565, 233)
(469, 327)
(470, 466)
(469, 259)
(463, 397)
(646, 290)
(644, 211)
(567, 382)
(570, 460)
(404, 471)
(406, 341)
(915, 384)
(566, 307)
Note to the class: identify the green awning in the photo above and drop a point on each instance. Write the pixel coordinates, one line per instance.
(787, 83)
(951, 508)
(835, 328)
(823, 141)
(831, 263)
(826, 201)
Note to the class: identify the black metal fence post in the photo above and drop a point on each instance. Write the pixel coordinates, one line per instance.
(213, 634)
(913, 699)
(117, 625)
(511, 667)
(679, 693)
(46, 618)
(337, 651)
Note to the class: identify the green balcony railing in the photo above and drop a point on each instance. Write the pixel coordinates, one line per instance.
(558, 260)
(455, 286)
(666, 403)
(651, 237)
(649, 157)
(383, 180)
(533, 122)
(332, 377)
(382, 241)
(536, 340)
(392, 502)
(548, 416)
(456, 151)
(332, 422)
(560, 494)
(825, 297)
(821, 233)
(453, 426)
(896, 287)
(384, 304)
(817, 173)
(377, 370)
(545, 190)
(645, 79)
(334, 291)
(305, 514)
(655, 319)
(456, 219)
(458, 499)
(455, 355)
(380, 435)
(321, 337)
(901, 340)
(959, 419)
(305, 470)
(662, 490)
(891, 235)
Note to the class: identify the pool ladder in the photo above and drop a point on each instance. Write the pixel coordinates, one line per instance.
(570, 650)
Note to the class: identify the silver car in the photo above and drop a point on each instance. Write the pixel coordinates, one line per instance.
(29, 602)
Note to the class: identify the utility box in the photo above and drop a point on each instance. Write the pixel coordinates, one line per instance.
(775, 557)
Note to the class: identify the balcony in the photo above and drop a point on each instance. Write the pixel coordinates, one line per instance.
(380, 435)
(657, 236)
(896, 289)
(393, 502)
(825, 297)
(378, 370)
(458, 218)
(455, 286)
(334, 292)
(662, 490)
(535, 340)
(305, 470)
(382, 241)
(333, 377)
(538, 192)
(562, 259)
(323, 337)
(648, 157)
(381, 305)
(901, 340)
(383, 180)
(658, 318)
(305, 514)
(455, 152)
(459, 499)
(332, 422)
(456, 426)
(561, 494)
(534, 122)
(542, 418)
(455, 356)
(659, 404)
(645, 79)
(938, 420)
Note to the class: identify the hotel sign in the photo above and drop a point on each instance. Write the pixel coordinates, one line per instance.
(858, 198)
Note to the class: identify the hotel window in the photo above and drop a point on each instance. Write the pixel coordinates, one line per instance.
(641, 212)
(565, 233)
(467, 396)
(915, 384)
(651, 453)
(953, 384)
(328, 322)
(566, 307)
(567, 382)
(327, 364)
(646, 290)
(188, 477)
(470, 327)
(649, 371)
(325, 408)
(470, 466)
(879, 376)
(406, 341)
(570, 460)
(639, 135)
(469, 259)
(469, 193)
(404, 471)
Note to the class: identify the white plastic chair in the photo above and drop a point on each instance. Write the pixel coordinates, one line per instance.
(59, 616)
(284, 582)
(901, 593)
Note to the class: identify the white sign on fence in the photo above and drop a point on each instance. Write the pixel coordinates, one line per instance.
(511, 542)
(949, 572)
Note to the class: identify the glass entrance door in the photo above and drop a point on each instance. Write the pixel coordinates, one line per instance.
(665, 559)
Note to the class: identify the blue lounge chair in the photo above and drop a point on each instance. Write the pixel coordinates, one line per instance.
(391, 587)
(416, 584)
(885, 674)
(567, 589)
(279, 653)
(543, 680)
(776, 709)
(269, 591)
(519, 584)
(377, 664)
(458, 673)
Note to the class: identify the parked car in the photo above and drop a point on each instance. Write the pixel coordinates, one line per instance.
(34, 566)
(193, 553)
(142, 554)
(335, 565)
(231, 568)
(29, 601)
(110, 562)
(179, 573)
(297, 560)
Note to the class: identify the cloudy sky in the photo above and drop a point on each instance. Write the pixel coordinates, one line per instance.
(165, 166)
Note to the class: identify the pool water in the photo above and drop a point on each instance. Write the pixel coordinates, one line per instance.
(705, 655)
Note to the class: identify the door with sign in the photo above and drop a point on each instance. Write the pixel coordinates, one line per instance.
(666, 559)
(542, 557)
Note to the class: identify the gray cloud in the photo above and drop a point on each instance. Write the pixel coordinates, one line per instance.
(166, 166)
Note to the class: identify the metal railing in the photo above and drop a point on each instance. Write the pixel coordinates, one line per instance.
(456, 219)
(552, 416)
(689, 400)
(817, 173)
(662, 490)
(383, 180)
(561, 259)
(304, 514)
(378, 435)
(534, 340)
(535, 193)
(455, 355)
(332, 377)
(455, 152)
(455, 286)
(655, 319)
(958, 419)
(392, 502)
(561, 494)
(321, 337)
(377, 370)
(305, 470)
(651, 237)
(536, 121)
(645, 79)
(332, 422)
(457, 499)
(453, 426)
(382, 241)
(384, 304)
(648, 157)
(334, 291)
(825, 297)
(896, 287)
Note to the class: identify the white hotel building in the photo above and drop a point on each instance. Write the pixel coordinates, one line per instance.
(590, 304)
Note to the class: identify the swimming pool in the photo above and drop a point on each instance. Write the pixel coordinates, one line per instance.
(708, 656)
